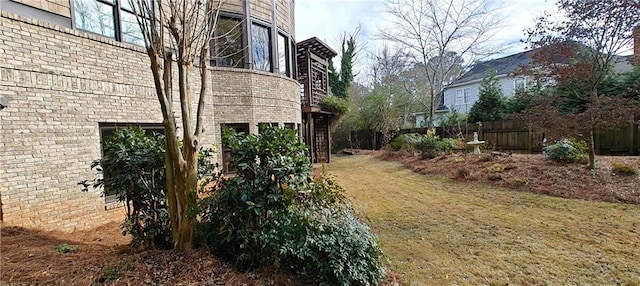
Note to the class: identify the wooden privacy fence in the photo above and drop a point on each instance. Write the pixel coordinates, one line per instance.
(514, 135)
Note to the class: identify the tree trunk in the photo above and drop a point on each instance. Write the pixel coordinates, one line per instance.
(592, 150)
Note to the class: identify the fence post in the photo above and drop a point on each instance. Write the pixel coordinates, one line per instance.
(530, 139)
(631, 137)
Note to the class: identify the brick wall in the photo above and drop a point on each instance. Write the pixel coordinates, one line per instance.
(62, 84)
(60, 7)
(261, 10)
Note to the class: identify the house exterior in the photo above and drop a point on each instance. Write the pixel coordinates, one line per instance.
(68, 79)
(465, 91)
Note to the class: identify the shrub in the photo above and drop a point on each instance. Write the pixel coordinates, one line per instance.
(623, 169)
(563, 151)
(485, 157)
(132, 168)
(329, 245)
(494, 177)
(431, 146)
(272, 212)
(336, 105)
(405, 142)
(463, 173)
(496, 168)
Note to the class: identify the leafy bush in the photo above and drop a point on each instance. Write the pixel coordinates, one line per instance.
(132, 165)
(405, 142)
(336, 105)
(563, 151)
(330, 245)
(273, 212)
(431, 146)
(624, 169)
(133, 169)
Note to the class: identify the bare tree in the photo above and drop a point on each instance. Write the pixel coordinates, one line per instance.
(594, 31)
(433, 30)
(177, 33)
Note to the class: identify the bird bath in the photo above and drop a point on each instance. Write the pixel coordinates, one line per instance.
(475, 143)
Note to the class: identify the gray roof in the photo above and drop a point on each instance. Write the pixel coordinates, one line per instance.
(507, 65)
(502, 66)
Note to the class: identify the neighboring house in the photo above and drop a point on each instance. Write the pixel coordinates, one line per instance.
(73, 70)
(465, 91)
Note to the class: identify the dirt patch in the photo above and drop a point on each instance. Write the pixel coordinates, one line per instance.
(531, 173)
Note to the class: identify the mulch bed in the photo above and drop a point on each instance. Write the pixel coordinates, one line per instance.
(530, 173)
(102, 256)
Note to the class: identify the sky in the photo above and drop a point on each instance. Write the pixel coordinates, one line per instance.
(327, 19)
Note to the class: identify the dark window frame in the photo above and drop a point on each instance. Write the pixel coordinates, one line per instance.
(214, 48)
(286, 71)
(255, 26)
(117, 12)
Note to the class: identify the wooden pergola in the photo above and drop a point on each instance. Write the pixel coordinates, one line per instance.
(313, 74)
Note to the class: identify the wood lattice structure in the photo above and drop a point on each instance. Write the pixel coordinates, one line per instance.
(313, 75)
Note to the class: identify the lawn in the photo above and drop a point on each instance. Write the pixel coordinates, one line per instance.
(436, 231)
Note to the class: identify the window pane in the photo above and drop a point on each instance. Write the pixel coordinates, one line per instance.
(94, 16)
(283, 62)
(261, 47)
(131, 32)
(293, 51)
(125, 5)
(229, 43)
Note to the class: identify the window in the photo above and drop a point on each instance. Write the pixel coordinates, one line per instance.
(463, 96)
(459, 97)
(520, 83)
(227, 163)
(107, 129)
(467, 95)
(294, 60)
(94, 16)
(228, 43)
(283, 55)
(130, 29)
(261, 43)
(111, 18)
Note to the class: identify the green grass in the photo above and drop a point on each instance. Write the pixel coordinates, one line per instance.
(439, 232)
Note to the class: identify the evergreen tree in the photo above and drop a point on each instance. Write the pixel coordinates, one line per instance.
(341, 81)
(491, 104)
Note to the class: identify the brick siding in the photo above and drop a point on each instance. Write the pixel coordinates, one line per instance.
(63, 83)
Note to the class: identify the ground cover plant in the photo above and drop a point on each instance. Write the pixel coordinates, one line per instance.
(437, 231)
